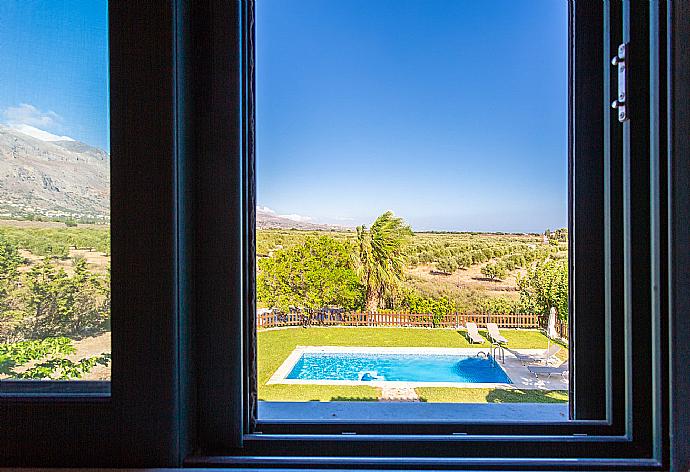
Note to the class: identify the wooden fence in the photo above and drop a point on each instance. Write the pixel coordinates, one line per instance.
(421, 320)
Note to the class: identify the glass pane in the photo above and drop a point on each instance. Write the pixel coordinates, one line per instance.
(54, 190)
(411, 228)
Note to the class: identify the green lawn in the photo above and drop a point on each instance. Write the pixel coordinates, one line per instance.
(275, 345)
(489, 395)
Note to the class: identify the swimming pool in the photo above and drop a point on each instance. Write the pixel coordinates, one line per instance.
(396, 367)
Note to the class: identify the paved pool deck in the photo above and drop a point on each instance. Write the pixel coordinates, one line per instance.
(381, 412)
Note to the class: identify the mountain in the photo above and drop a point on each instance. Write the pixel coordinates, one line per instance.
(42, 174)
(52, 176)
(270, 220)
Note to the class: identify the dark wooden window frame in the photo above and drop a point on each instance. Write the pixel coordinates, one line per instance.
(612, 423)
(135, 419)
(182, 224)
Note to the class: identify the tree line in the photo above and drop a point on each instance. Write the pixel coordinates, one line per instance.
(56, 242)
(367, 272)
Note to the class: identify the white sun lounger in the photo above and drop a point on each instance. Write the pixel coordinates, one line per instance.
(473, 333)
(541, 358)
(495, 334)
(538, 370)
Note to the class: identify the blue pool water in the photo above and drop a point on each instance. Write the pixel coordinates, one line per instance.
(398, 367)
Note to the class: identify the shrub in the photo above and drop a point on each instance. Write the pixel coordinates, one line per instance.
(436, 307)
(447, 266)
(494, 271)
(51, 361)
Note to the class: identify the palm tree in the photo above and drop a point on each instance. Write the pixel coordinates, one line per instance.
(379, 258)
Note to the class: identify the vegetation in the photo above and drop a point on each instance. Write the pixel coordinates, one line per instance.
(546, 286)
(320, 393)
(490, 395)
(53, 302)
(314, 275)
(380, 259)
(46, 301)
(67, 220)
(57, 241)
(9, 262)
(495, 271)
(560, 235)
(453, 251)
(47, 289)
(45, 359)
(436, 307)
(435, 273)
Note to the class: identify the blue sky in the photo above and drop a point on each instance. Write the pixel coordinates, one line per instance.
(54, 67)
(453, 114)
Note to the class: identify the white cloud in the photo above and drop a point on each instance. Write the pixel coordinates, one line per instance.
(26, 114)
(33, 122)
(298, 218)
(265, 209)
(291, 216)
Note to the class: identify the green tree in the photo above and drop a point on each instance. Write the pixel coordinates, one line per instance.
(463, 261)
(561, 234)
(447, 265)
(9, 262)
(9, 282)
(545, 286)
(496, 306)
(57, 304)
(495, 271)
(89, 299)
(313, 275)
(42, 301)
(380, 257)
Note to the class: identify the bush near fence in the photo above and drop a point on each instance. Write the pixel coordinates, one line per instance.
(404, 320)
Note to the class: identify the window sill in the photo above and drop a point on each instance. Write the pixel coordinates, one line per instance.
(417, 411)
(261, 463)
(36, 390)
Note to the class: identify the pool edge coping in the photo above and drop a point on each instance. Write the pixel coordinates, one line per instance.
(279, 377)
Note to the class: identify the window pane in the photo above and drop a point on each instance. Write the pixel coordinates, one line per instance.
(54, 190)
(412, 209)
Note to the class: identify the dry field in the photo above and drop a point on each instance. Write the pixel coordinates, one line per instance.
(470, 278)
(97, 262)
(45, 224)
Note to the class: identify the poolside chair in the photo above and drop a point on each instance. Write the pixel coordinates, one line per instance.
(542, 358)
(538, 370)
(473, 333)
(494, 334)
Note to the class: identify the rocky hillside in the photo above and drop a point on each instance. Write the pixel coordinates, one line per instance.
(269, 220)
(55, 177)
(52, 178)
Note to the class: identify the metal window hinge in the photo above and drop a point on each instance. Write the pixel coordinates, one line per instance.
(620, 103)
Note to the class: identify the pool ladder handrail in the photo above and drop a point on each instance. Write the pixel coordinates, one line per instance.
(501, 351)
